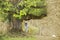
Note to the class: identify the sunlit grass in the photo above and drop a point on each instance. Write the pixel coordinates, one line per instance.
(17, 38)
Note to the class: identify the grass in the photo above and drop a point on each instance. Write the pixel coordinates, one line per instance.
(17, 38)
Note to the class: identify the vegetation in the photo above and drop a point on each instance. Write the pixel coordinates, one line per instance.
(17, 38)
(14, 12)
(36, 8)
(11, 11)
(22, 8)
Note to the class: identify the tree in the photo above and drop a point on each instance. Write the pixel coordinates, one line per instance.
(15, 11)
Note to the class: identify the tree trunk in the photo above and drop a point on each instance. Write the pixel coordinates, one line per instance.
(15, 23)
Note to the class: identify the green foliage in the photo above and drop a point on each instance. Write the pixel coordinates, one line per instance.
(5, 6)
(34, 7)
(23, 8)
(37, 11)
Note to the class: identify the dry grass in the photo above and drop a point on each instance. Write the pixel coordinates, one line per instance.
(3, 28)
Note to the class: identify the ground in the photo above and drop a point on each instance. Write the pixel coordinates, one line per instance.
(49, 25)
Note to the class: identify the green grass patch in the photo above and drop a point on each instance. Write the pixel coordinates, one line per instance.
(17, 38)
